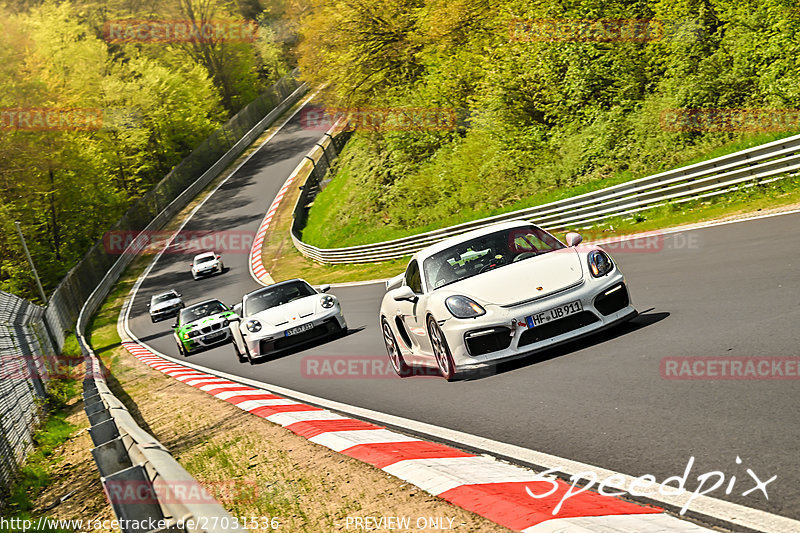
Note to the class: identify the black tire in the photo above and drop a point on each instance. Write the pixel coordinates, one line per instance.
(393, 350)
(239, 356)
(181, 349)
(441, 351)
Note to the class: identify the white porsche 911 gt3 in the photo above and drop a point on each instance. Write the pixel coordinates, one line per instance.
(283, 316)
(496, 293)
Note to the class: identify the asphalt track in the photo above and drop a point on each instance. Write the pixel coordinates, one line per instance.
(731, 290)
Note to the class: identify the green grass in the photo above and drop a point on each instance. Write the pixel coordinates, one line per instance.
(34, 475)
(327, 229)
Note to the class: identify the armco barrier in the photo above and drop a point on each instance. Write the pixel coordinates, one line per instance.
(761, 164)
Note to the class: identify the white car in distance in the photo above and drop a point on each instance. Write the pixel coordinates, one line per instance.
(165, 305)
(207, 264)
(284, 316)
(496, 293)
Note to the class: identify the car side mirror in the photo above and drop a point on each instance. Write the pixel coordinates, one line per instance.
(148, 306)
(175, 325)
(237, 309)
(191, 264)
(574, 239)
(324, 288)
(178, 294)
(403, 293)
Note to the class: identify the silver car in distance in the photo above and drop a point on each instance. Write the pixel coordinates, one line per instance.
(283, 316)
(496, 293)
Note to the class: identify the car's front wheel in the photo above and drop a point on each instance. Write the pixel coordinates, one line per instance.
(241, 357)
(393, 349)
(444, 359)
(181, 349)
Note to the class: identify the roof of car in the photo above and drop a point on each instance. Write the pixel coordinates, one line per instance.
(205, 254)
(160, 294)
(210, 300)
(480, 232)
(285, 282)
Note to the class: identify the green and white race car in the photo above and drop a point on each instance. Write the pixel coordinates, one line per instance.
(202, 325)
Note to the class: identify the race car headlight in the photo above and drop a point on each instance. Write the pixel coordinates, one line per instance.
(463, 307)
(253, 326)
(600, 263)
(190, 334)
(327, 302)
(225, 323)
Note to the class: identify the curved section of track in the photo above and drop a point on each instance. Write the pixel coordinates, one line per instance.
(729, 290)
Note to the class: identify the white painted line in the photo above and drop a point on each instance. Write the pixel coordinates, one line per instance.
(440, 475)
(341, 440)
(640, 523)
(287, 419)
(227, 395)
(249, 405)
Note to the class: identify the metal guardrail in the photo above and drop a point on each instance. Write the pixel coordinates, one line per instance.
(761, 164)
(143, 483)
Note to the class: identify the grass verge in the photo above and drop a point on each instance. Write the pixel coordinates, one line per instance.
(285, 262)
(328, 228)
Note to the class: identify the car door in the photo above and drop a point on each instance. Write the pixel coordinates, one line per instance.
(411, 314)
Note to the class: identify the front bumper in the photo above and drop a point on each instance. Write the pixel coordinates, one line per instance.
(275, 340)
(502, 333)
(207, 340)
(207, 271)
(158, 316)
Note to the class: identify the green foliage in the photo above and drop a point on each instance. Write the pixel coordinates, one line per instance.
(158, 102)
(545, 119)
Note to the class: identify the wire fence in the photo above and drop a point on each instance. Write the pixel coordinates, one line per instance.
(24, 345)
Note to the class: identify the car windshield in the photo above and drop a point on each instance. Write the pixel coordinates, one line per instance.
(487, 252)
(204, 259)
(164, 297)
(196, 312)
(277, 295)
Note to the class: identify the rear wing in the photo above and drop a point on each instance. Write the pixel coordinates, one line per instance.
(393, 283)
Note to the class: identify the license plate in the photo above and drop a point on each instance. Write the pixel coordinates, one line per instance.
(554, 314)
(215, 335)
(299, 329)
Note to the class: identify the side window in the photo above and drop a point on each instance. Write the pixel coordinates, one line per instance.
(413, 278)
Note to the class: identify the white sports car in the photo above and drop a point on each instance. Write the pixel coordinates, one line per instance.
(496, 293)
(207, 264)
(282, 316)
